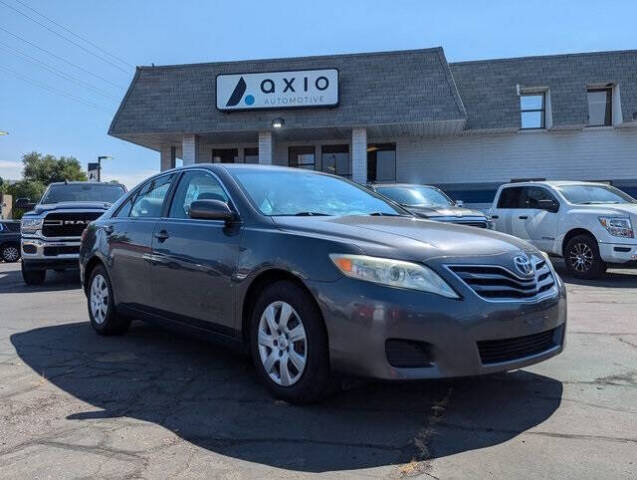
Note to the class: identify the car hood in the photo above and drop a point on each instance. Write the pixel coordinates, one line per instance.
(47, 207)
(432, 212)
(407, 238)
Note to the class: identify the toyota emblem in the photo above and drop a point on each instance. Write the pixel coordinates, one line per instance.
(523, 265)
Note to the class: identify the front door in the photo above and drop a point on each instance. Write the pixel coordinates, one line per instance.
(535, 222)
(194, 260)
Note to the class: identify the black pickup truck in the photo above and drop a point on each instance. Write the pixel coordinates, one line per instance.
(9, 241)
(52, 231)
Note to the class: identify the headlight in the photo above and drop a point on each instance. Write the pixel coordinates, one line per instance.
(31, 224)
(394, 273)
(617, 226)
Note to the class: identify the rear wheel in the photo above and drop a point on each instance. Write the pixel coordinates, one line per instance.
(582, 257)
(33, 277)
(10, 253)
(289, 344)
(101, 309)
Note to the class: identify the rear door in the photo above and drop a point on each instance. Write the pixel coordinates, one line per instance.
(130, 242)
(194, 260)
(508, 203)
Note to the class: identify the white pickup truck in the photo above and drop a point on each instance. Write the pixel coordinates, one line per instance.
(591, 225)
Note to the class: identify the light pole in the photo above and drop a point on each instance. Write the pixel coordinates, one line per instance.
(99, 166)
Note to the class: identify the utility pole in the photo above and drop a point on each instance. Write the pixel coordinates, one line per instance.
(99, 166)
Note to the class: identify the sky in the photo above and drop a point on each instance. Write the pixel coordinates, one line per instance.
(65, 106)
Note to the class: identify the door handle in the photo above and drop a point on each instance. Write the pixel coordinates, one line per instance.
(108, 229)
(495, 216)
(162, 235)
(523, 217)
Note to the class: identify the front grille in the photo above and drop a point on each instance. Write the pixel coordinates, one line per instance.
(70, 224)
(493, 282)
(408, 353)
(508, 349)
(63, 250)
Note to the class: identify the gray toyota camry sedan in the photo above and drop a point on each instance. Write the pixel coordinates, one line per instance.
(314, 274)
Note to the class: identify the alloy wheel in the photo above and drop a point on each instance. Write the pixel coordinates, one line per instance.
(99, 299)
(282, 343)
(581, 257)
(10, 254)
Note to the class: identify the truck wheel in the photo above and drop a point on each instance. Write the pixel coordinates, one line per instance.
(10, 253)
(101, 308)
(33, 277)
(582, 258)
(289, 344)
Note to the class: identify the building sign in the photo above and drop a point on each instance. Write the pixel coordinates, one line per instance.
(304, 88)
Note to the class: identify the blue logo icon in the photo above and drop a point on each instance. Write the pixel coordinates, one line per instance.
(249, 99)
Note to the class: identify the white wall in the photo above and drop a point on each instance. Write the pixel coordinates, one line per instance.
(604, 153)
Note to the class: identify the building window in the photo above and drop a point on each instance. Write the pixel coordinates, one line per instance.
(381, 162)
(600, 106)
(532, 111)
(335, 160)
(251, 155)
(302, 157)
(225, 155)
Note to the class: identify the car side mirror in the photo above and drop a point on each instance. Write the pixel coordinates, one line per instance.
(459, 203)
(549, 205)
(211, 210)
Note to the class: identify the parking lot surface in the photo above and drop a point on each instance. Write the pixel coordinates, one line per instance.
(151, 404)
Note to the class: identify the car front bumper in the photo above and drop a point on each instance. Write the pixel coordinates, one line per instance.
(618, 253)
(361, 317)
(41, 254)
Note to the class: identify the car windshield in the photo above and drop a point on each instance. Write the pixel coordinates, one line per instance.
(594, 194)
(416, 196)
(83, 193)
(300, 193)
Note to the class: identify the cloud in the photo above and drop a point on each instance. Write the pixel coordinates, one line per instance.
(10, 170)
(130, 179)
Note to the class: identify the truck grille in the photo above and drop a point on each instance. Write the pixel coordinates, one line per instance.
(493, 282)
(70, 224)
(509, 349)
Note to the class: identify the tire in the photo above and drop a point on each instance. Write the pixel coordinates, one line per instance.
(582, 258)
(10, 253)
(33, 277)
(101, 308)
(286, 326)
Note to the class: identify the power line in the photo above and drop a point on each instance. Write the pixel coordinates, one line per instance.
(65, 38)
(53, 90)
(76, 35)
(58, 72)
(62, 59)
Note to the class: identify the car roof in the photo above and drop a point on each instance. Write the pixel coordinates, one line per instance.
(552, 183)
(86, 183)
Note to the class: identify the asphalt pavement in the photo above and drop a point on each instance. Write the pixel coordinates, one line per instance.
(152, 404)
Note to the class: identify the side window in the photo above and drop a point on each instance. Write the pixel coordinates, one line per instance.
(533, 195)
(150, 200)
(510, 198)
(196, 185)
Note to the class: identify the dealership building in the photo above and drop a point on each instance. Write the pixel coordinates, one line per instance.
(405, 116)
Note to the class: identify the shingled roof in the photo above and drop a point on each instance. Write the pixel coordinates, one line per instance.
(375, 89)
(488, 88)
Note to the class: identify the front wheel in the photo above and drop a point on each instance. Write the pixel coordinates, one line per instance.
(289, 344)
(582, 258)
(101, 308)
(10, 253)
(33, 277)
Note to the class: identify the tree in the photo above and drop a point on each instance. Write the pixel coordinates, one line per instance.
(46, 169)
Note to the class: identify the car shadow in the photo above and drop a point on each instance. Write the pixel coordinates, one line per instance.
(11, 281)
(613, 278)
(210, 396)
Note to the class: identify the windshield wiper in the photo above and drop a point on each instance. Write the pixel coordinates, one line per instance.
(311, 214)
(383, 214)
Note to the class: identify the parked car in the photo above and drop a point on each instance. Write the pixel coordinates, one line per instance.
(589, 224)
(51, 232)
(9, 241)
(426, 201)
(314, 274)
